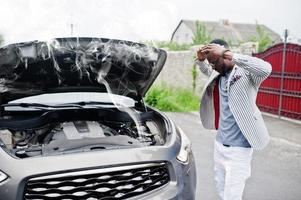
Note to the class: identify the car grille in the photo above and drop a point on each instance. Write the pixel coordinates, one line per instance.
(103, 184)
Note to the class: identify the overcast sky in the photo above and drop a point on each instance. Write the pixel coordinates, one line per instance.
(136, 20)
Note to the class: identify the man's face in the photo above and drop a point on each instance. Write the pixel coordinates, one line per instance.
(217, 63)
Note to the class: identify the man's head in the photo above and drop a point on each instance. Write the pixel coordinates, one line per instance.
(217, 62)
(220, 42)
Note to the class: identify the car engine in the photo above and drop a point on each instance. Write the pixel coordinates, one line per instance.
(78, 136)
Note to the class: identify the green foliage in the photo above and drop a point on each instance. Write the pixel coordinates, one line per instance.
(171, 46)
(263, 38)
(194, 73)
(166, 98)
(201, 36)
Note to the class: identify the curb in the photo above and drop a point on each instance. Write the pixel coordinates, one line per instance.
(282, 118)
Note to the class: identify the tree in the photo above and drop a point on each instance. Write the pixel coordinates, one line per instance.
(201, 35)
(263, 38)
(194, 74)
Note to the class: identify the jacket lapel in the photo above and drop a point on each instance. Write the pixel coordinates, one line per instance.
(231, 77)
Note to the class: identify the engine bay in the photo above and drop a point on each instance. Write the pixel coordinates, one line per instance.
(72, 131)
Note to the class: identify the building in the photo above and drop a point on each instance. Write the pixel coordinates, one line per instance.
(235, 33)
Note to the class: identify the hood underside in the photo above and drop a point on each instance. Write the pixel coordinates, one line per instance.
(78, 64)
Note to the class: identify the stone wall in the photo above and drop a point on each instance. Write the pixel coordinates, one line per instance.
(177, 71)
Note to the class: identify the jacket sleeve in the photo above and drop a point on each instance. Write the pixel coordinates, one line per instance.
(204, 67)
(258, 69)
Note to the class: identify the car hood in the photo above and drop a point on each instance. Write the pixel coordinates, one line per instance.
(78, 65)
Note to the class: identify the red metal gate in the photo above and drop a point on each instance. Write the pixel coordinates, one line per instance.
(281, 93)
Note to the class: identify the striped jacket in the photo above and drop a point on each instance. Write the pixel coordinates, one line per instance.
(243, 84)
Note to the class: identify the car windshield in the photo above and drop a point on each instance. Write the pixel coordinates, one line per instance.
(70, 99)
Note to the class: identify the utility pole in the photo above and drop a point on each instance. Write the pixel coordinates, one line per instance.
(71, 27)
(282, 72)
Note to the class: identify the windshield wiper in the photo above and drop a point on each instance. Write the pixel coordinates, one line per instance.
(89, 103)
(38, 106)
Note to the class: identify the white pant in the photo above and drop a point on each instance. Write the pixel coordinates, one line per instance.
(232, 167)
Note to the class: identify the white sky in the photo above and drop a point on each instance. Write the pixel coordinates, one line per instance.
(136, 20)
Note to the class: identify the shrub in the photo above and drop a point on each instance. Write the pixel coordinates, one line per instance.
(171, 46)
(166, 98)
(263, 38)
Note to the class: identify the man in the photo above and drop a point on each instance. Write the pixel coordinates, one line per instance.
(228, 104)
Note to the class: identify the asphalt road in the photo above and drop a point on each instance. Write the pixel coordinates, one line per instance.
(275, 170)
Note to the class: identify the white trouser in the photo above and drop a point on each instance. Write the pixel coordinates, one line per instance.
(232, 167)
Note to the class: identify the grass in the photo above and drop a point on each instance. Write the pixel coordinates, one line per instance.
(166, 98)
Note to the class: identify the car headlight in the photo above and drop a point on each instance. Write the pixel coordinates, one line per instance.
(185, 150)
(3, 176)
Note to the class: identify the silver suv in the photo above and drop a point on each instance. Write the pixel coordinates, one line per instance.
(73, 124)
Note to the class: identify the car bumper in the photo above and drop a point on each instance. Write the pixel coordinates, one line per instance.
(182, 176)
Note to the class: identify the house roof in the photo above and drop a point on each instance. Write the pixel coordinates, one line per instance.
(229, 31)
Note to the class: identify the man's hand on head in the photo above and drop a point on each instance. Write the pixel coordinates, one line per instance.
(218, 56)
(201, 55)
(216, 51)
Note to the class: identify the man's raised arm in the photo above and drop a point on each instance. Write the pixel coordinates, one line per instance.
(203, 63)
(258, 68)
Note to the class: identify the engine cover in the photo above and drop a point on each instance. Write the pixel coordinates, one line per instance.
(82, 129)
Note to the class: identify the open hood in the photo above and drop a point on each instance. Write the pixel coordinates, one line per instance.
(78, 64)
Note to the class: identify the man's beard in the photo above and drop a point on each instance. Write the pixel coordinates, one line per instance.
(223, 70)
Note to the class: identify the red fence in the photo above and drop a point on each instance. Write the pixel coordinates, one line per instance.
(281, 93)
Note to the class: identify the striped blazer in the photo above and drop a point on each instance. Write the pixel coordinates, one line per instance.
(242, 86)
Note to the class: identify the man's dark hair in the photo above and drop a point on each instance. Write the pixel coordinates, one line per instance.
(220, 42)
